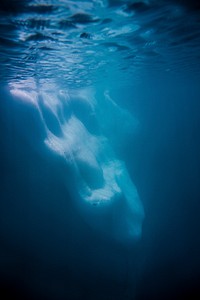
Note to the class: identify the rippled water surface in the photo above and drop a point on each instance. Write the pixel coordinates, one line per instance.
(79, 43)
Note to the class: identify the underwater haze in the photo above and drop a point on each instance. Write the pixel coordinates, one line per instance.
(99, 149)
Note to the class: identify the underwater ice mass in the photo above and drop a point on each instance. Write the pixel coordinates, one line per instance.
(84, 131)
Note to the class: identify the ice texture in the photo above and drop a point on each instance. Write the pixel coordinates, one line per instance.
(84, 130)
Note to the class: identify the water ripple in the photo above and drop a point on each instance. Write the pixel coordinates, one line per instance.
(83, 42)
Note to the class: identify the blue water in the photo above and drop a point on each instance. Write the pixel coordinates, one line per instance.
(99, 149)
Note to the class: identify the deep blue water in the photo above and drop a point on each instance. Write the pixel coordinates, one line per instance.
(99, 149)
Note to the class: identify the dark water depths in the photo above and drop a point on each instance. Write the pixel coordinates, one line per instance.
(99, 149)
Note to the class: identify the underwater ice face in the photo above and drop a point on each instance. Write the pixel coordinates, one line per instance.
(84, 131)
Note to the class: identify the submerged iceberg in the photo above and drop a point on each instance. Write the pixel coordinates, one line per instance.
(84, 130)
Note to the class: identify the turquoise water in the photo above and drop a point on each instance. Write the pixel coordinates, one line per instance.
(99, 156)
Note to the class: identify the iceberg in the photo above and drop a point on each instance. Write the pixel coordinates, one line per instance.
(84, 130)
